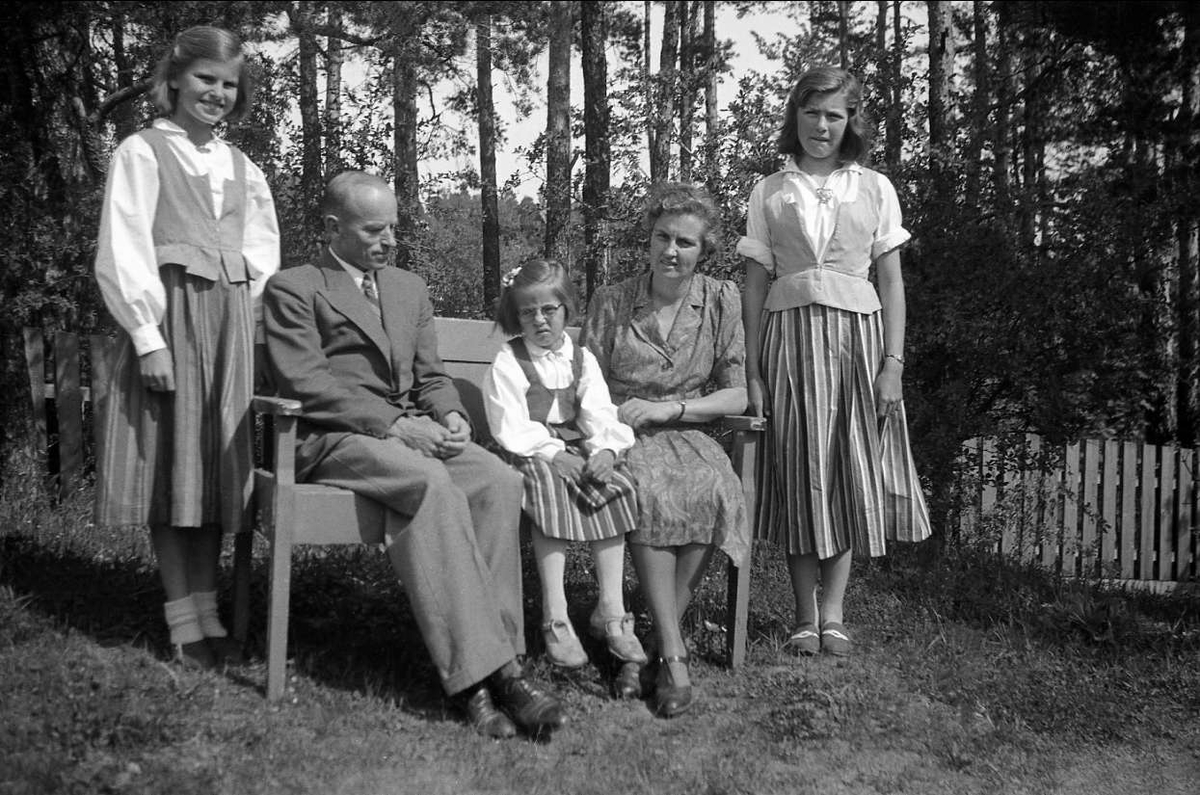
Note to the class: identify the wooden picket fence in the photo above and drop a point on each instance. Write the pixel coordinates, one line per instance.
(1095, 509)
(66, 388)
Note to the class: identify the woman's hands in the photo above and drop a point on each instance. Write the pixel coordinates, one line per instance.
(888, 391)
(638, 413)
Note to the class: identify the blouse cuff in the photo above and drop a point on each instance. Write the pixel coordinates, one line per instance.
(549, 449)
(891, 240)
(147, 339)
(758, 251)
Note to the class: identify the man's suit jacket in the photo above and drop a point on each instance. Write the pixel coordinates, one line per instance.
(352, 373)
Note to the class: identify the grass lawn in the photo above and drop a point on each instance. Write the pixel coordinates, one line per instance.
(971, 676)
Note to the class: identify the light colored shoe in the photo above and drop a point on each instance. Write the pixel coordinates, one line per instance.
(834, 639)
(562, 644)
(804, 641)
(617, 632)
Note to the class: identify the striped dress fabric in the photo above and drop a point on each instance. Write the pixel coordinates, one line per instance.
(832, 476)
(183, 459)
(587, 512)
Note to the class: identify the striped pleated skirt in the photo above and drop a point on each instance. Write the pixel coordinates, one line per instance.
(832, 475)
(183, 459)
(576, 512)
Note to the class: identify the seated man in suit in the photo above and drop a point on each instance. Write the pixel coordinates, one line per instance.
(353, 340)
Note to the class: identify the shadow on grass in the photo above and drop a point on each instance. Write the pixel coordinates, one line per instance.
(350, 625)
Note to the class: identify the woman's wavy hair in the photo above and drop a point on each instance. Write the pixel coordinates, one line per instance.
(533, 273)
(683, 198)
(194, 44)
(857, 142)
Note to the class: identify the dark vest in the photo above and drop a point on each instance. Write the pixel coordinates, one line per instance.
(185, 230)
(539, 398)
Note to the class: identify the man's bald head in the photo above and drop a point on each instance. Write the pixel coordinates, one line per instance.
(345, 190)
(359, 213)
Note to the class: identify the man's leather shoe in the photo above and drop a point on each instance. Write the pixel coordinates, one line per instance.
(529, 707)
(485, 717)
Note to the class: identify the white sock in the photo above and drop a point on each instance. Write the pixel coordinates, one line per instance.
(182, 621)
(206, 614)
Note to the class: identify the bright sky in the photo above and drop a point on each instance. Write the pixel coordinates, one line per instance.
(745, 57)
(521, 134)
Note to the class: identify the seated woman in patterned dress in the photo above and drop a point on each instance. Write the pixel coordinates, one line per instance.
(671, 346)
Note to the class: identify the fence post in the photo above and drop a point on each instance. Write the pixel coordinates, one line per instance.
(1108, 512)
(1088, 536)
(1149, 509)
(1129, 509)
(68, 403)
(35, 363)
(1189, 517)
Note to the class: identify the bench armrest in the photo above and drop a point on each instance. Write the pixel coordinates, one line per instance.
(744, 423)
(276, 406)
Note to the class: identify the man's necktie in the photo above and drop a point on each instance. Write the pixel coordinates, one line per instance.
(371, 292)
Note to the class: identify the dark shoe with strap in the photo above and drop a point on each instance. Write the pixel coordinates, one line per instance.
(531, 708)
(671, 699)
(487, 719)
(627, 685)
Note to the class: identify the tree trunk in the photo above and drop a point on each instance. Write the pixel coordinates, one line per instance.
(594, 36)
(689, 11)
(941, 65)
(843, 34)
(1154, 262)
(895, 112)
(333, 96)
(1187, 233)
(487, 163)
(712, 121)
(404, 102)
(979, 107)
(1001, 133)
(664, 110)
(649, 93)
(122, 115)
(311, 175)
(1033, 142)
(558, 133)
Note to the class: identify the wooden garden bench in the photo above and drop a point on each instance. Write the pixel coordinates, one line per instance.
(304, 513)
(293, 514)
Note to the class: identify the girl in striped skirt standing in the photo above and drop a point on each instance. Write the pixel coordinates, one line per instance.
(825, 355)
(548, 406)
(188, 237)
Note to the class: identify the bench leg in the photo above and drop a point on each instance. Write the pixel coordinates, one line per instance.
(743, 456)
(277, 611)
(737, 612)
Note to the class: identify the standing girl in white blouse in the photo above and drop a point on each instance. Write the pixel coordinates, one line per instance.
(825, 355)
(549, 407)
(188, 237)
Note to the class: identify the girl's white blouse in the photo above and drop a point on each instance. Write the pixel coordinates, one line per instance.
(126, 264)
(508, 413)
(843, 185)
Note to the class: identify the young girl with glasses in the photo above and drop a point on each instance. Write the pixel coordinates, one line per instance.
(549, 408)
